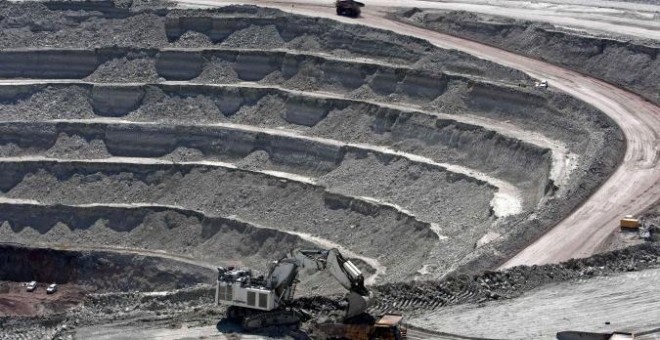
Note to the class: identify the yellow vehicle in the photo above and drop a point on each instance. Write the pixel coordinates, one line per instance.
(388, 327)
(630, 223)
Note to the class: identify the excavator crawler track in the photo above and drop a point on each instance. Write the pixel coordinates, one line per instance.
(252, 320)
(270, 319)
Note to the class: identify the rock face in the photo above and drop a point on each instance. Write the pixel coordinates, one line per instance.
(115, 101)
(97, 270)
(629, 64)
(48, 64)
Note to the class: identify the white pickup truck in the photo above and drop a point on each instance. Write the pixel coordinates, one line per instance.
(31, 286)
(542, 84)
(52, 288)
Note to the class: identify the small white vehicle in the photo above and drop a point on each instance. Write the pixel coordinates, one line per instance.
(31, 286)
(542, 83)
(52, 288)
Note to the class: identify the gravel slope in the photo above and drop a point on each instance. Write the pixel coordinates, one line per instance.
(628, 64)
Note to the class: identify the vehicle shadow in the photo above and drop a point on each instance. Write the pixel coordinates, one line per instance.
(227, 326)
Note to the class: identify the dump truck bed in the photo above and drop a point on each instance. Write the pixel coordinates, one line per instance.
(389, 320)
(630, 223)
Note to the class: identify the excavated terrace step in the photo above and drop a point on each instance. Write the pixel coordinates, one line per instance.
(15, 169)
(302, 110)
(262, 198)
(237, 65)
(123, 219)
(102, 269)
(303, 156)
(508, 159)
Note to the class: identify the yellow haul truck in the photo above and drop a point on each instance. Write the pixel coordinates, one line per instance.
(388, 327)
(629, 223)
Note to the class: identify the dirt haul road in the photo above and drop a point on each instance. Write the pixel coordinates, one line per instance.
(628, 18)
(614, 18)
(632, 188)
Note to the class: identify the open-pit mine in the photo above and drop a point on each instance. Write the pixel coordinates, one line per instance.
(144, 144)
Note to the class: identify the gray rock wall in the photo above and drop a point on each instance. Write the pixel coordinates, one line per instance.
(632, 65)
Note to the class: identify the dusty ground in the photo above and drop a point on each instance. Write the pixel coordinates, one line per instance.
(539, 314)
(84, 278)
(15, 301)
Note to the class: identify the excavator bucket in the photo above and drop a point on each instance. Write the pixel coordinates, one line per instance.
(357, 304)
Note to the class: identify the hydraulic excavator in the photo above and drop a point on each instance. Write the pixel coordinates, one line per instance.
(265, 300)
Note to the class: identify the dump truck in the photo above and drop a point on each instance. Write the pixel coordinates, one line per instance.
(387, 327)
(579, 335)
(628, 222)
(349, 8)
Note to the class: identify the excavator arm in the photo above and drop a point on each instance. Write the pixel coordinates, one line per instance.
(344, 271)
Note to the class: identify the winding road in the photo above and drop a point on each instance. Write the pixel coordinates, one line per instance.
(613, 18)
(633, 187)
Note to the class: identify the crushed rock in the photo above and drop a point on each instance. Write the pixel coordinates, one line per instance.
(194, 40)
(217, 71)
(126, 70)
(49, 103)
(258, 37)
(77, 147)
